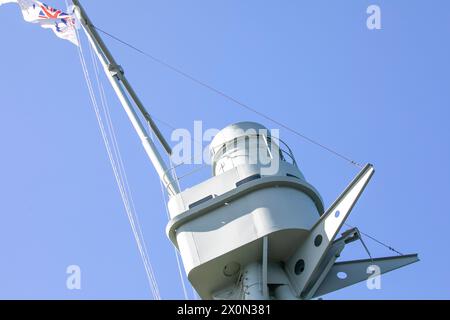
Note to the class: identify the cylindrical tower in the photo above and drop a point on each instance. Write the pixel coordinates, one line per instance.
(257, 194)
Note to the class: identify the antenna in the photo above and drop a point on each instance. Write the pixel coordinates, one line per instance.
(124, 90)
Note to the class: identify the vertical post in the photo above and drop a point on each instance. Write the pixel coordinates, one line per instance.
(115, 75)
(265, 258)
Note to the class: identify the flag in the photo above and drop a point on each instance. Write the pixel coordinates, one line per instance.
(62, 23)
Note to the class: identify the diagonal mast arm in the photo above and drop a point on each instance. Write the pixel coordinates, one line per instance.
(306, 261)
(124, 90)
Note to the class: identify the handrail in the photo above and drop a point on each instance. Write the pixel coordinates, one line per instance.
(282, 146)
(178, 179)
(284, 151)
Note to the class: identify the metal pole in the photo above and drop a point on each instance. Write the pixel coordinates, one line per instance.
(265, 262)
(117, 79)
(90, 28)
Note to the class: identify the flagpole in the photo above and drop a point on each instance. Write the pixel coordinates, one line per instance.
(122, 88)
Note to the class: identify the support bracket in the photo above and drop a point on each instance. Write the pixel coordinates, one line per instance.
(333, 253)
(115, 70)
(306, 261)
(359, 270)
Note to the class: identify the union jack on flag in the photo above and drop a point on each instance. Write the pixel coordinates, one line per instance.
(48, 12)
(62, 23)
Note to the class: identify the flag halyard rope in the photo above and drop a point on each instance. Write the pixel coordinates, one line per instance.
(118, 170)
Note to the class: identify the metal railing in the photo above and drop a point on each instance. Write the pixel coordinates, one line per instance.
(285, 154)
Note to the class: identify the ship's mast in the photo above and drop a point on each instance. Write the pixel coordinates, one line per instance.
(258, 234)
(125, 92)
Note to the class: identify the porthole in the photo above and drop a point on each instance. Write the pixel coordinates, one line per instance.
(299, 267)
(341, 275)
(318, 240)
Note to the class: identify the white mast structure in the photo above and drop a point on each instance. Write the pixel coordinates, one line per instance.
(124, 91)
(256, 229)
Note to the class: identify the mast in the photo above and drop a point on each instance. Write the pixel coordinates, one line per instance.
(124, 92)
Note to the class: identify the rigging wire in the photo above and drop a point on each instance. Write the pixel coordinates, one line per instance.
(180, 271)
(121, 170)
(377, 241)
(228, 97)
(238, 102)
(163, 195)
(118, 176)
(235, 101)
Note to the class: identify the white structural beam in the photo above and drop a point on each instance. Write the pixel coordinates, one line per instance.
(306, 261)
(119, 83)
(327, 263)
(344, 274)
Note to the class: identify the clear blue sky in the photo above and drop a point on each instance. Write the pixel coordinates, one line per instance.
(377, 96)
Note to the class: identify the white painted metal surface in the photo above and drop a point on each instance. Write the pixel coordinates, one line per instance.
(352, 272)
(223, 220)
(319, 240)
(269, 224)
